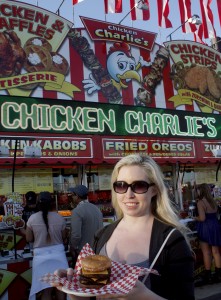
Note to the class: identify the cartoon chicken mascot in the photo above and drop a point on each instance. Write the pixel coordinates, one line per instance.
(121, 66)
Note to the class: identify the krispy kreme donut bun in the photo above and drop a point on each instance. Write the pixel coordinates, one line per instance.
(95, 272)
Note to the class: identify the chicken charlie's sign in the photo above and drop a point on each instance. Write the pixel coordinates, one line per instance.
(128, 67)
(103, 62)
(29, 57)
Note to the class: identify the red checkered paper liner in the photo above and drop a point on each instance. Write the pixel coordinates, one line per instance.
(122, 280)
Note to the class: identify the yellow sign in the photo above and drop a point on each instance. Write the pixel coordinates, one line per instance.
(36, 35)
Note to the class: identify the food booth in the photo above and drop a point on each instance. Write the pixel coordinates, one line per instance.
(58, 130)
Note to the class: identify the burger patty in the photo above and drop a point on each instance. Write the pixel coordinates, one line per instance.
(93, 279)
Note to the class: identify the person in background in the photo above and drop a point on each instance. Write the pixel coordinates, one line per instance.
(30, 205)
(209, 232)
(2, 211)
(86, 219)
(145, 219)
(46, 229)
(29, 209)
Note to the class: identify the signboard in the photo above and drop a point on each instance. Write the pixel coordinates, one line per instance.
(115, 64)
(30, 41)
(117, 148)
(27, 180)
(207, 147)
(57, 147)
(196, 75)
(37, 116)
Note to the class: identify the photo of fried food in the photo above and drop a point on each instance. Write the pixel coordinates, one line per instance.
(38, 41)
(198, 78)
(59, 64)
(12, 55)
(203, 78)
(37, 59)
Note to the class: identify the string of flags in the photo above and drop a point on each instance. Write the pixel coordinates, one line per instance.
(202, 31)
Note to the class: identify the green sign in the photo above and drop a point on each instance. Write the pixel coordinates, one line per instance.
(33, 115)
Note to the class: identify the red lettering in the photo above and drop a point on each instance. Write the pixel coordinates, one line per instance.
(6, 9)
(13, 23)
(24, 79)
(22, 24)
(40, 30)
(31, 77)
(29, 14)
(49, 33)
(4, 24)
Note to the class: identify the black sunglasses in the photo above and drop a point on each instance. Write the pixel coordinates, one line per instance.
(138, 187)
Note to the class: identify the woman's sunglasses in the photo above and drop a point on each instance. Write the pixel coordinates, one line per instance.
(138, 187)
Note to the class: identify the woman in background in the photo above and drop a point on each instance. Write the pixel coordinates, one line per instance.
(209, 232)
(47, 230)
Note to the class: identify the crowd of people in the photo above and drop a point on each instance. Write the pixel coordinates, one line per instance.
(146, 217)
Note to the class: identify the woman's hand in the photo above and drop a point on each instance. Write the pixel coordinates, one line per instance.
(65, 273)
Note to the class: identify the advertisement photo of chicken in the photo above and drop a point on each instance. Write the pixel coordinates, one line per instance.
(198, 78)
(12, 55)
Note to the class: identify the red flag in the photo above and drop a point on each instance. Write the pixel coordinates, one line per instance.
(207, 19)
(76, 1)
(136, 12)
(185, 14)
(113, 6)
(198, 35)
(219, 10)
(163, 13)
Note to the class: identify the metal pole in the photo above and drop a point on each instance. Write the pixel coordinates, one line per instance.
(170, 35)
(14, 163)
(58, 12)
(14, 231)
(130, 11)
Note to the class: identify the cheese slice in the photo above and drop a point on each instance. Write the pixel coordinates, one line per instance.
(86, 272)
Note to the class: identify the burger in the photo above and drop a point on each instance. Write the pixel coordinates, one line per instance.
(95, 272)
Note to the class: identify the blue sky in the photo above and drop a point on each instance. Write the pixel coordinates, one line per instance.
(95, 9)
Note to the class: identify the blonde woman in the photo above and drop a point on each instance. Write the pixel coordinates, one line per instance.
(145, 218)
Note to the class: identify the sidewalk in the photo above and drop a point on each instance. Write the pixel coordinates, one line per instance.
(208, 292)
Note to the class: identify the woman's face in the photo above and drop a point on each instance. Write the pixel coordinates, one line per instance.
(131, 203)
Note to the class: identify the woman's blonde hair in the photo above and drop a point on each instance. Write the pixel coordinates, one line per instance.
(161, 206)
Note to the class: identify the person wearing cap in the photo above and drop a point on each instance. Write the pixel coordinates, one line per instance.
(30, 208)
(30, 205)
(46, 229)
(86, 219)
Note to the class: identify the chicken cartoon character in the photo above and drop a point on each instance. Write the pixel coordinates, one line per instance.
(121, 67)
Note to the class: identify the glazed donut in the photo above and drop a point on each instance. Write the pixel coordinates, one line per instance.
(96, 263)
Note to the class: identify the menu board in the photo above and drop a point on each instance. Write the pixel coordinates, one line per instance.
(37, 180)
(207, 177)
(104, 179)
